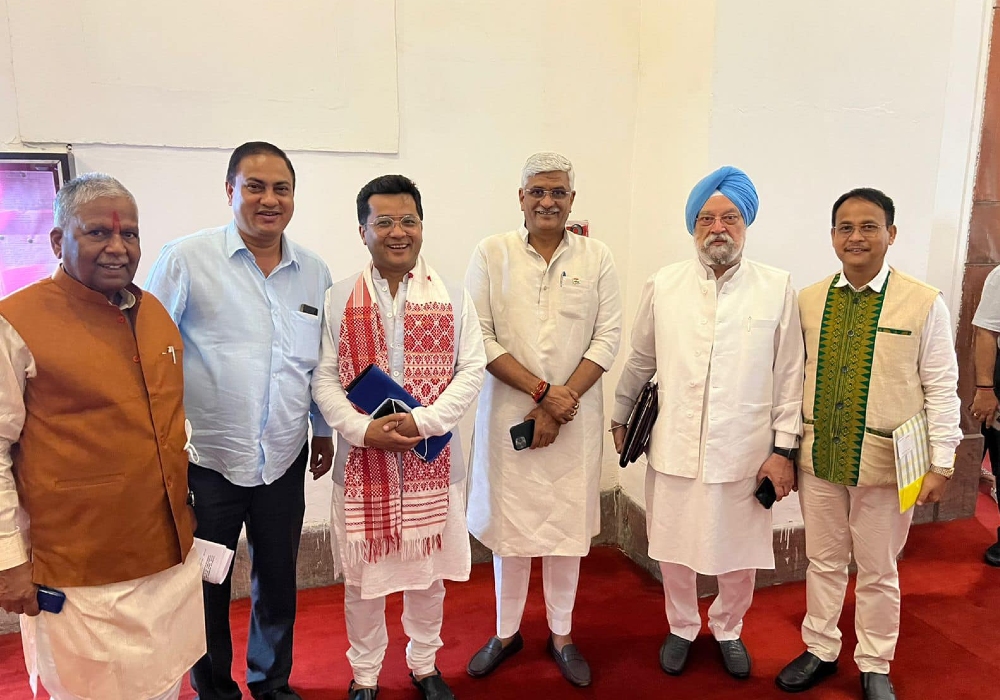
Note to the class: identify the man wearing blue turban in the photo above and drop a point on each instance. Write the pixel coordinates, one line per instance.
(721, 333)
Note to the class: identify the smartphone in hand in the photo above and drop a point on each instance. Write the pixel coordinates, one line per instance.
(765, 493)
(522, 434)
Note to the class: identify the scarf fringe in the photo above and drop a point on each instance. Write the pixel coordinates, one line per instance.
(370, 551)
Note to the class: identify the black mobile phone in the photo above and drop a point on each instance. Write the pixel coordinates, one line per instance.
(765, 493)
(522, 434)
(50, 600)
(311, 310)
(389, 407)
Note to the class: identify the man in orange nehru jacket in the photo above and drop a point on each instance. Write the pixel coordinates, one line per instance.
(92, 453)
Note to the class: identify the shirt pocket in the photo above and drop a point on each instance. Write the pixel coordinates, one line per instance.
(306, 331)
(576, 298)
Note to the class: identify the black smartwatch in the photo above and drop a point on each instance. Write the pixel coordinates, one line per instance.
(786, 452)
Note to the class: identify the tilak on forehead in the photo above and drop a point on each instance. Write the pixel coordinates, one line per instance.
(115, 221)
(734, 184)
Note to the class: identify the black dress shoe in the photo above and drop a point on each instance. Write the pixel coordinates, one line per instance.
(433, 687)
(571, 663)
(877, 686)
(804, 672)
(674, 654)
(283, 693)
(993, 552)
(354, 693)
(735, 658)
(493, 653)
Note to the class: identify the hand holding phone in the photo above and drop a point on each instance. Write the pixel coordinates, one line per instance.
(765, 493)
(522, 434)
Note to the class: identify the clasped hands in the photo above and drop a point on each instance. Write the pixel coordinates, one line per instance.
(557, 408)
(395, 433)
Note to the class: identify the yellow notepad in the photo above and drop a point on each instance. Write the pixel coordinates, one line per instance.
(911, 443)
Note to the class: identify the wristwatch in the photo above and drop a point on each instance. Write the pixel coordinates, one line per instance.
(786, 452)
(190, 498)
(946, 472)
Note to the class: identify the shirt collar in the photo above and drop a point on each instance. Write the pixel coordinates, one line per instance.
(726, 276)
(126, 300)
(235, 243)
(567, 239)
(876, 284)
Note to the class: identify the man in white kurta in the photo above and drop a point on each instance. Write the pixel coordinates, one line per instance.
(401, 286)
(550, 311)
(721, 333)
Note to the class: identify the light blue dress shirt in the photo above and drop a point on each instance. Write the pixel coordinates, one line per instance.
(249, 349)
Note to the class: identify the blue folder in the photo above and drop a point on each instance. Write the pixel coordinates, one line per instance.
(372, 387)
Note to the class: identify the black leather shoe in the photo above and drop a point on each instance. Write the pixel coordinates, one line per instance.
(804, 672)
(354, 693)
(283, 693)
(993, 552)
(674, 654)
(571, 664)
(433, 687)
(877, 686)
(735, 658)
(493, 653)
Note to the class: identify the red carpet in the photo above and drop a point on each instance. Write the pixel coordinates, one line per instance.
(949, 646)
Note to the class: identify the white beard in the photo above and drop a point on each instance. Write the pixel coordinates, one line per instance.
(719, 255)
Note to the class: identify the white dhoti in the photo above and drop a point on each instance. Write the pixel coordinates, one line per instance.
(560, 576)
(133, 640)
(422, 583)
(713, 529)
(864, 520)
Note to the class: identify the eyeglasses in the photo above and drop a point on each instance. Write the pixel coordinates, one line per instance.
(385, 224)
(866, 230)
(539, 193)
(707, 221)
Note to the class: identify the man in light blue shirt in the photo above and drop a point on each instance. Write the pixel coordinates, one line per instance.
(248, 302)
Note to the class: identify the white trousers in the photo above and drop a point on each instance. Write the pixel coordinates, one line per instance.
(423, 612)
(725, 615)
(864, 520)
(560, 577)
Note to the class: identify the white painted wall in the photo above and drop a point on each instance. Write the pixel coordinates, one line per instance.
(645, 97)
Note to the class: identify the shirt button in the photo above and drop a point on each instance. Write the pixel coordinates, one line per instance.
(697, 353)
(274, 376)
(836, 439)
(840, 405)
(850, 334)
(135, 358)
(395, 374)
(690, 414)
(704, 291)
(703, 321)
(843, 370)
(692, 384)
(170, 481)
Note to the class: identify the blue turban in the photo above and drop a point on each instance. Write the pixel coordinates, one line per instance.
(731, 182)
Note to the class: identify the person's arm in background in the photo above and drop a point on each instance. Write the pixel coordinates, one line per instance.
(18, 594)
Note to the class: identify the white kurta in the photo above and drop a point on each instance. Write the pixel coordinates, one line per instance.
(453, 560)
(548, 317)
(728, 356)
